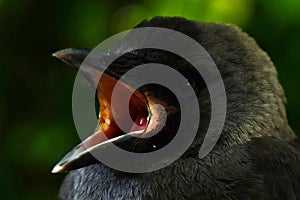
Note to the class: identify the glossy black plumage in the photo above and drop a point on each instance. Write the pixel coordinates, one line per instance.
(257, 156)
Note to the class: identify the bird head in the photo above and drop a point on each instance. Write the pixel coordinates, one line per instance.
(254, 95)
(154, 125)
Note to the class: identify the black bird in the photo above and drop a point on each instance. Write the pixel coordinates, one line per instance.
(256, 157)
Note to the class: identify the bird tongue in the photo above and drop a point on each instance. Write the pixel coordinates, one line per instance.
(139, 124)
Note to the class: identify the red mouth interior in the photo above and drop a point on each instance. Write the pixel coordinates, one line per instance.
(139, 124)
(108, 128)
(137, 108)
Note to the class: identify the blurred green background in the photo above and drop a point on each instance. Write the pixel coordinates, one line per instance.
(35, 101)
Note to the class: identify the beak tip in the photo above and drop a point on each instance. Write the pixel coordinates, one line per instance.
(55, 54)
(62, 55)
(71, 56)
(57, 169)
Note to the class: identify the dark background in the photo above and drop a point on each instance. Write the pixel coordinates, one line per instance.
(35, 101)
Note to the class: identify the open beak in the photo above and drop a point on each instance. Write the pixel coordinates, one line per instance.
(108, 132)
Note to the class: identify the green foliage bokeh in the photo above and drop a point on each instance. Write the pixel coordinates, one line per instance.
(35, 100)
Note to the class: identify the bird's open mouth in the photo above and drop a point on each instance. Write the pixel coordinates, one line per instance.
(113, 115)
(117, 119)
